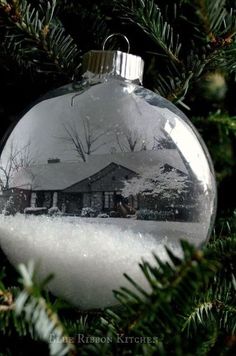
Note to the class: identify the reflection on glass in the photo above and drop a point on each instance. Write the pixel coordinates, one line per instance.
(113, 154)
(108, 151)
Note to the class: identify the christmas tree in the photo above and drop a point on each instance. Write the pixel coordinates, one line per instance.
(189, 48)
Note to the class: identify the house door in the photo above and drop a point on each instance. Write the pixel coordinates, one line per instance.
(44, 199)
(73, 203)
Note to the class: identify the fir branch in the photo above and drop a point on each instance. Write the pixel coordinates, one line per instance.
(197, 316)
(211, 338)
(227, 58)
(40, 314)
(224, 250)
(36, 38)
(223, 120)
(10, 324)
(188, 295)
(28, 312)
(218, 308)
(7, 303)
(218, 23)
(219, 52)
(170, 282)
(147, 15)
(178, 78)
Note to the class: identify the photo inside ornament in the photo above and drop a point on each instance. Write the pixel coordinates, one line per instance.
(98, 175)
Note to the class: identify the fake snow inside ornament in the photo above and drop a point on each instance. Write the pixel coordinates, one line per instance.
(97, 176)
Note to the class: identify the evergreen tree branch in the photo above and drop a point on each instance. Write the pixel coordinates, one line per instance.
(26, 311)
(37, 38)
(228, 123)
(218, 308)
(218, 23)
(38, 312)
(190, 306)
(178, 282)
(7, 300)
(173, 283)
(147, 15)
(178, 79)
(218, 49)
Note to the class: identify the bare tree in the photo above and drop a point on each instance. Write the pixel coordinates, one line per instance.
(162, 142)
(17, 159)
(86, 141)
(130, 141)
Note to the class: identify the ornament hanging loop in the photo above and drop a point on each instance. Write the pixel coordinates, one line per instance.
(113, 35)
(113, 63)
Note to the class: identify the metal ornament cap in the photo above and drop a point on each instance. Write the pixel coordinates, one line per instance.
(119, 64)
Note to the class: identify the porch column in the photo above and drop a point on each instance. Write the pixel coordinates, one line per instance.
(54, 199)
(33, 198)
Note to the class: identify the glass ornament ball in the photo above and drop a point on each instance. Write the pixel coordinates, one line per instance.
(97, 175)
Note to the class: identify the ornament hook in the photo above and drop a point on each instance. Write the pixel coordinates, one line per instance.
(116, 34)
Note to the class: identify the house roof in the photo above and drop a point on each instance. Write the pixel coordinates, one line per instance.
(59, 176)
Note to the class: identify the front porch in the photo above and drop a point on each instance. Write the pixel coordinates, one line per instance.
(73, 203)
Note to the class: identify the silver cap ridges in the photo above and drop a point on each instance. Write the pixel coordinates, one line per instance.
(113, 63)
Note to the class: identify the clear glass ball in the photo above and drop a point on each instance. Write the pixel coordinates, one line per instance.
(96, 176)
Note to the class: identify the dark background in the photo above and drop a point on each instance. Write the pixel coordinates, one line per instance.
(89, 23)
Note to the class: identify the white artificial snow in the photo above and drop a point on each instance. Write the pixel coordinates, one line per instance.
(88, 256)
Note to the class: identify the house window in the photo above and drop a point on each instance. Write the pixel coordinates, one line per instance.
(108, 200)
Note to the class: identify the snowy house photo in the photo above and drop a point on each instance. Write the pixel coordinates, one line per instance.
(126, 183)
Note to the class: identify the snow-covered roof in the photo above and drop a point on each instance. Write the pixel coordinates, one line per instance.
(59, 176)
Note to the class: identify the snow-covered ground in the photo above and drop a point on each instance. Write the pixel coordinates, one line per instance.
(89, 255)
(173, 231)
